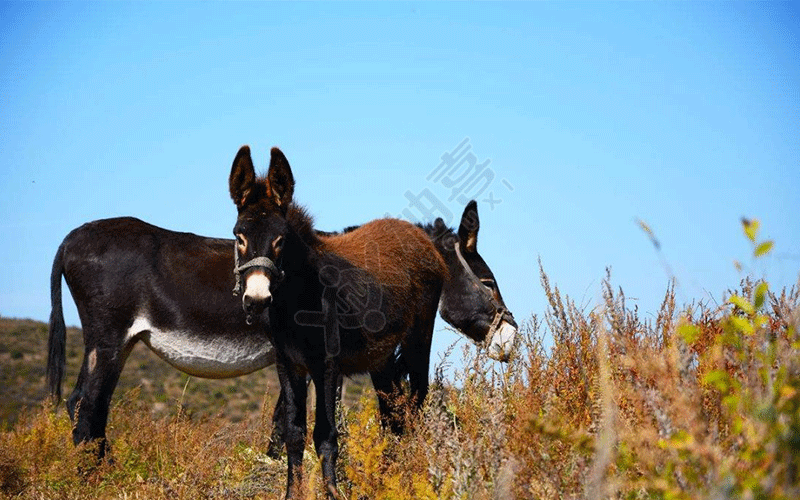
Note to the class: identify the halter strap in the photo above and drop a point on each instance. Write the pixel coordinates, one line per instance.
(469, 270)
(262, 262)
(501, 312)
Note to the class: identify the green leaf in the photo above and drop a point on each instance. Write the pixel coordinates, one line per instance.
(760, 295)
(763, 248)
(690, 333)
(750, 228)
(717, 378)
(741, 324)
(742, 303)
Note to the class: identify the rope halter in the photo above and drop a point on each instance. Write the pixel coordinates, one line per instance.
(264, 263)
(500, 311)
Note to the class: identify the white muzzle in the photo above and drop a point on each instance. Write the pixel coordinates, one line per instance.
(503, 342)
(256, 287)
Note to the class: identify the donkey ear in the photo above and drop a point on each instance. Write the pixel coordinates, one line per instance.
(243, 177)
(468, 229)
(280, 179)
(440, 230)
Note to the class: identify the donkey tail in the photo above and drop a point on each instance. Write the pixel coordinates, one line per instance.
(56, 345)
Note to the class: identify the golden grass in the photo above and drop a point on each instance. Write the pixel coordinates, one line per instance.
(701, 403)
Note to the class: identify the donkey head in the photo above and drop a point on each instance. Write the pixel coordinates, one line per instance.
(471, 300)
(261, 227)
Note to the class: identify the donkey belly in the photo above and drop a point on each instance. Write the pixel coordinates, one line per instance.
(203, 354)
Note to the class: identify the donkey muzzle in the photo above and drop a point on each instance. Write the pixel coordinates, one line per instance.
(503, 343)
(257, 294)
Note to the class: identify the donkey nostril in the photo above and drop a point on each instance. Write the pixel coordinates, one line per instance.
(254, 304)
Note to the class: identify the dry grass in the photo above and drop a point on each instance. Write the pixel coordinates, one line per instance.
(703, 402)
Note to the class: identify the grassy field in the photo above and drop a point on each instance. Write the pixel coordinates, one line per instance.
(702, 402)
(23, 354)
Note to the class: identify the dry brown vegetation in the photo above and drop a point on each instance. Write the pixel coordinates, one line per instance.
(702, 402)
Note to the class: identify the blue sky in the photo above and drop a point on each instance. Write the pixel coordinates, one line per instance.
(590, 116)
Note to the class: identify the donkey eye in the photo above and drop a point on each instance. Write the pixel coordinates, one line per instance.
(489, 283)
(241, 242)
(277, 244)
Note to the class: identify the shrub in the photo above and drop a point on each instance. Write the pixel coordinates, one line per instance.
(702, 402)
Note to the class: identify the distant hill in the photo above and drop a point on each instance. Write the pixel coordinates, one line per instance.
(23, 358)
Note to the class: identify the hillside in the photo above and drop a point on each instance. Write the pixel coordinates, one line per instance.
(23, 358)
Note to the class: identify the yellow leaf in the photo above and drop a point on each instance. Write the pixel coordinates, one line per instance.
(689, 333)
(788, 392)
(741, 303)
(763, 248)
(750, 228)
(741, 324)
(760, 295)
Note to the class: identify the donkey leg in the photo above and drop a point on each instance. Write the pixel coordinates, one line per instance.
(278, 427)
(294, 389)
(417, 354)
(276, 439)
(89, 402)
(386, 384)
(75, 395)
(325, 432)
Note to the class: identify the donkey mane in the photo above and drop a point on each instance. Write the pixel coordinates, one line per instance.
(439, 234)
(302, 223)
(360, 246)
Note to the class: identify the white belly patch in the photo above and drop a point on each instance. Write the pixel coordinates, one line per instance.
(224, 355)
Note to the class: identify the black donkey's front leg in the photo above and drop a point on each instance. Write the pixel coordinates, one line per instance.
(325, 432)
(276, 439)
(279, 421)
(293, 386)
